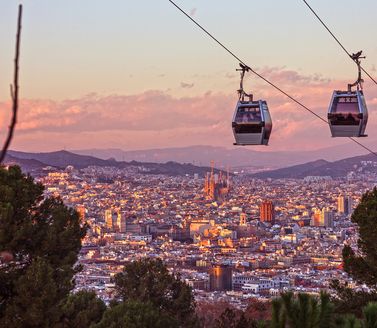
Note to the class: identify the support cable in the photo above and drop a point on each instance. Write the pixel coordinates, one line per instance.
(262, 77)
(337, 40)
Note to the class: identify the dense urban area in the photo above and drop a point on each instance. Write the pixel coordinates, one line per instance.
(231, 237)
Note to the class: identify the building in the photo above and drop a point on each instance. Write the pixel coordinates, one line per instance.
(121, 222)
(109, 219)
(220, 278)
(216, 186)
(316, 220)
(243, 219)
(267, 211)
(323, 218)
(81, 210)
(327, 217)
(344, 205)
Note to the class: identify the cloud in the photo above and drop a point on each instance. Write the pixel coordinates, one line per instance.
(187, 85)
(156, 118)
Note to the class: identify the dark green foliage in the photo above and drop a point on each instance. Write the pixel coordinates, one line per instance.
(149, 281)
(350, 321)
(35, 302)
(134, 314)
(229, 319)
(363, 265)
(370, 316)
(303, 311)
(82, 310)
(44, 238)
(360, 264)
(349, 301)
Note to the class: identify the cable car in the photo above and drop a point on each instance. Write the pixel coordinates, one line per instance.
(251, 122)
(348, 113)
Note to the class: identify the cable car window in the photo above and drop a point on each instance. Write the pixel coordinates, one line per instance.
(249, 128)
(345, 111)
(344, 119)
(250, 114)
(346, 105)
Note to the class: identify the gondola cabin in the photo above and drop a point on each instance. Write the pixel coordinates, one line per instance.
(347, 114)
(251, 123)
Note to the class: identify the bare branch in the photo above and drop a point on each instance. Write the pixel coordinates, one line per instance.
(14, 89)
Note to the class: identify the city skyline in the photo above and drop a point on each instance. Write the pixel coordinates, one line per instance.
(99, 85)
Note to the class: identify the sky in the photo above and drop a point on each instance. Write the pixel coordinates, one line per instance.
(139, 75)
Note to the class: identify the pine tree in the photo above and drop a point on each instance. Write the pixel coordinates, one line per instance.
(363, 265)
(43, 238)
(149, 281)
(303, 311)
(82, 309)
(135, 314)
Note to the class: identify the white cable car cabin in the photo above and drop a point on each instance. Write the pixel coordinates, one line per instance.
(251, 123)
(348, 114)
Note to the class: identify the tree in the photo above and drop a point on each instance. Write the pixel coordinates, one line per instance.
(230, 319)
(82, 310)
(149, 281)
(303, 311)
(370, 316)
(35, 302)
(349, 301)
(135, 314)
(43, 237)
(362, 265)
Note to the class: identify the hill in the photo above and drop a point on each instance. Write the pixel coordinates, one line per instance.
(236, 157)
(321, 168)
(62, 159)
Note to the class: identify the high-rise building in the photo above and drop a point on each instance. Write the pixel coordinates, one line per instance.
(267, 211)
(344, 205)
(323, 218)
(109, 219)
(243, 218)
(121, 222)
(81, 210)
(317, 219)
(220, 278)
(327, 217)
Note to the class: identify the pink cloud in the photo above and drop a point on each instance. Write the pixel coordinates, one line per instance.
(157, 119)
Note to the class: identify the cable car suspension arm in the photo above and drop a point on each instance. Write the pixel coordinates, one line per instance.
(241, 92)
(359, 82)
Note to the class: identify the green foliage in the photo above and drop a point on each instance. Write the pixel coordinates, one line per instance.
(360, 264)
(229, 319)
(44, 238)
(82, 310)
(35, 301)
(370, 316)
(149, 281)
(363, 265)
(134, 314)
(303, 311)
(348, 301)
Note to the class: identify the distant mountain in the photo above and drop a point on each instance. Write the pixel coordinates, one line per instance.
(235, 157)
(62, 159)
(27, 165)
(319, 168)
